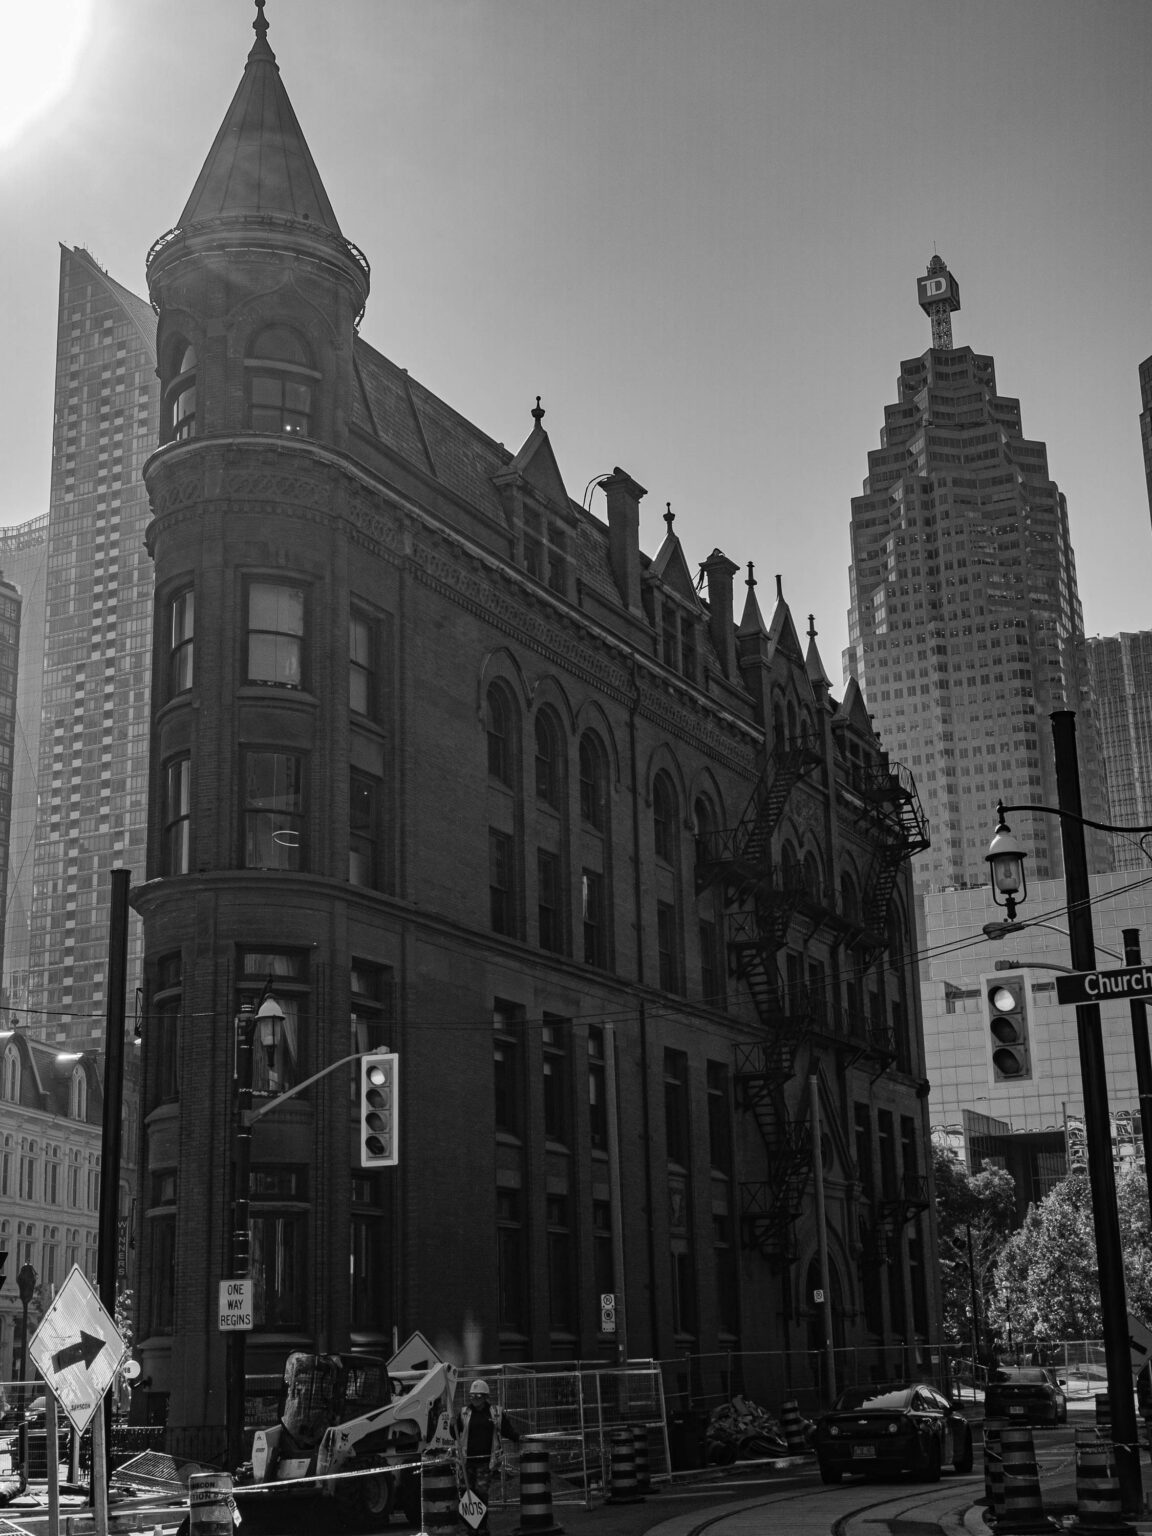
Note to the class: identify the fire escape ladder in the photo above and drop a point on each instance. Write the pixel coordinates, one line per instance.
(888, 794)
(769, 1210)
(742, 854)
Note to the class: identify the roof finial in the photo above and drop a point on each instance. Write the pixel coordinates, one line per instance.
(260, 25)
(811, 626)
(751, 582)
(779, 588)
(669, 515)
(538, 413)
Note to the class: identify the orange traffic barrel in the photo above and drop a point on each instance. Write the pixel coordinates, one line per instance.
(1023, 1507)
(536, 1517)
(793, 1426)
(210, 1504)
(993, 1468)
(439, 1498)
(1098, 1506)
(622, 1470)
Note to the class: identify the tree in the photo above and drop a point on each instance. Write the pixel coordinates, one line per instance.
(975, 1213)
(1047, 1284)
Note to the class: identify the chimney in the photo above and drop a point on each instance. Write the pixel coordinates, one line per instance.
(624, 534)
(720, 571)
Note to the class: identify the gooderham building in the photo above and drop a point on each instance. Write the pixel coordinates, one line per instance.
(465, 773)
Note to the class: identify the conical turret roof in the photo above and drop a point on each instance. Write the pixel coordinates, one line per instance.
(260, 163)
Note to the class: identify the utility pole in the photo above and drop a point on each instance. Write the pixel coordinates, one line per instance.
(1143, 1054)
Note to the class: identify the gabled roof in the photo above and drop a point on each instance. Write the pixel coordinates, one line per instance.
(751, 620)
(536, 461)
(853, 710)
(782, 636)
(259, 162)
(671, 568)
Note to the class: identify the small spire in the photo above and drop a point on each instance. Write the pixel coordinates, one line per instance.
(751, 581)
(669, 516)
(811, 626)
(260, 25)
(779, 588)
(538, 413)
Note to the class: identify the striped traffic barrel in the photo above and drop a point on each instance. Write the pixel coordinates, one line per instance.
(993, 1468)
(1023, 1506)
(793, 1426)
(640, 1446)
(210, 1504)
(622, 1470)
(438, 1497)
(1098, 1506)
(536, 1518)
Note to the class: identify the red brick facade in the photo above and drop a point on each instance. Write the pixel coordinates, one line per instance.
(448, 756)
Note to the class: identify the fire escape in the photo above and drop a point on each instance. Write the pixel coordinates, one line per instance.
(761, 905)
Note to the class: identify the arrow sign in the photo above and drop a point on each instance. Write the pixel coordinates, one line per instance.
(88, 1347)
(1104, 986)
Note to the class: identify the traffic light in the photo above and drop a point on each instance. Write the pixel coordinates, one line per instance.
(379, 1142)
(1006, 999)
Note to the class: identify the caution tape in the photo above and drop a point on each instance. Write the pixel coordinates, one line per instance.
(335, 1477)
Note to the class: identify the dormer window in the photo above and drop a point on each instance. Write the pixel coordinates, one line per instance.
(180, 395)
(678, 639)
(545, 550)
(280, 381)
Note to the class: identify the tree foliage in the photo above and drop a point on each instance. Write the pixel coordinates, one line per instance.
(1047, 1284)
(974, 1218)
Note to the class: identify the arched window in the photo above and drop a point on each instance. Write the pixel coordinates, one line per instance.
(500, 723)
(280, 378)
(664, 818)
(593, 782)
(78, 1094)
(849, 898)
(813, 878)
(180, 393)
(11, 1083)
(777, 724)
(791, 723)
(789, 866)
(549, 762)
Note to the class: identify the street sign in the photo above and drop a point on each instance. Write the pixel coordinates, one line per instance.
(1104, 986)
(77, 1349)
(607, 1312)
(473, 1509)
(415, 1354)
(235, 1312)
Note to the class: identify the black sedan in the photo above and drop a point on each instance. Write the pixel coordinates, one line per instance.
(887, 1429)
(1026, 1394)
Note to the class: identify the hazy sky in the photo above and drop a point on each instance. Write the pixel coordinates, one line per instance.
(693, 226)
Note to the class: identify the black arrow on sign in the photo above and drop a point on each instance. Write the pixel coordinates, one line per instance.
(86, 1349)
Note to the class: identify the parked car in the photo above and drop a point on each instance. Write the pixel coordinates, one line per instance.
(1033, 1394)
(882, 1430)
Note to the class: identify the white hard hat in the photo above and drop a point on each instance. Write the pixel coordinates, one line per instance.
(477, 1388)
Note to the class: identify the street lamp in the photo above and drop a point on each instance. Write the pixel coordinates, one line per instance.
(26, 1285)
(1006, 863)
(265, 1021)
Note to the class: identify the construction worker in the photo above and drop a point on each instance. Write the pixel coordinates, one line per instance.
(478, 1429)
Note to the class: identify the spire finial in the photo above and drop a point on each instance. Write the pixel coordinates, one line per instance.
(779, 588)
(260, 25)
(538, 413)
(669, 515)
(811, 626)
(751, 582)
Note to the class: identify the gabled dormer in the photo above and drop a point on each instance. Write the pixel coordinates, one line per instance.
(539, 511)
(673, 607)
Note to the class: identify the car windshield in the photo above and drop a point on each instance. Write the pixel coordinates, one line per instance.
(885, 1398)
(1034, 1375)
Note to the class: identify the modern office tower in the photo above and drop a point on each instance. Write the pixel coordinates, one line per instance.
(443, 762)
(965, 628)
(24, 562)
(97, 643)
(1120, 671)
(1146, 422)
(9, 662)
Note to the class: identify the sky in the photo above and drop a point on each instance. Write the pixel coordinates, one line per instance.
(693, 227)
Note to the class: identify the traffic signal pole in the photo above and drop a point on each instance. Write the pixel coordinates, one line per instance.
(1097, 1129)
(1143, 1054)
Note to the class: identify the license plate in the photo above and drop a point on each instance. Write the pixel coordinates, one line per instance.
(863, 1450)
(1013, 1409)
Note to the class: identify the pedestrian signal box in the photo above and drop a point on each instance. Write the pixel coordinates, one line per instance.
(1007, 1005)
(379, 1140)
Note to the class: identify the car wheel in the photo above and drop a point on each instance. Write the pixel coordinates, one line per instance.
(830, 1475)
(963, 1462)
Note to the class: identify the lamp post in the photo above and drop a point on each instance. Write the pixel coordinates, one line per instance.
(266, 1019)
(1006, 862)
(26, 1285)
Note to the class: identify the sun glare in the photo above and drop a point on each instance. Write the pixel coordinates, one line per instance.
(43, 47)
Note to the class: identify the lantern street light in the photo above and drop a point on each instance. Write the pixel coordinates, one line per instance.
(265, 1021)
(1006, 862)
